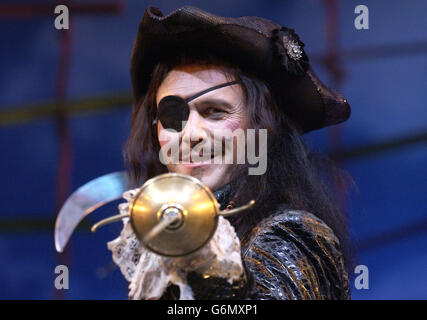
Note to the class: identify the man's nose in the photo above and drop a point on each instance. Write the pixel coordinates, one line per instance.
(195, 130)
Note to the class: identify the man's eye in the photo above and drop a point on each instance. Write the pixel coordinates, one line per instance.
(212, 111)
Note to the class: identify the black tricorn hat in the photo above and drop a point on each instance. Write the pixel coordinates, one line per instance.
(256, 45)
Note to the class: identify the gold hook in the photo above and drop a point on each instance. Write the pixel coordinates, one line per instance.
(227, 213)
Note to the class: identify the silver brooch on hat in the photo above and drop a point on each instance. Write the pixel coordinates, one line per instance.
(293, 50)
(290, 51)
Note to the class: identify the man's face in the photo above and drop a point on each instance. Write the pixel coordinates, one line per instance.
(220, 110)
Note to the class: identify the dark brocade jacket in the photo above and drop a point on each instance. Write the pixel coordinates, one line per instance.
(289, 255)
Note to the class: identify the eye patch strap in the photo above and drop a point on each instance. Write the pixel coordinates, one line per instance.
(210, 89)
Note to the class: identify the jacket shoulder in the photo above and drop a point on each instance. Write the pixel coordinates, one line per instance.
(296, 255)
(304, 222)
(293, 222)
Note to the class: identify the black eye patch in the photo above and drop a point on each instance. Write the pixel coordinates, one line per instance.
(173, 110)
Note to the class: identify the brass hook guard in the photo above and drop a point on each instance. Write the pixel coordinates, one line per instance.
(225, 213)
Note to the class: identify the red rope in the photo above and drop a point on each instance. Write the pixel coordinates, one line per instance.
(333, 64)
(63, 182)
(25, 11)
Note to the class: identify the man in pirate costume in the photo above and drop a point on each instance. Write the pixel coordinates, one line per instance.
(218, 73)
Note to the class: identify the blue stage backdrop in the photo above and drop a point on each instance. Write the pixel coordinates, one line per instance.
(382, 71)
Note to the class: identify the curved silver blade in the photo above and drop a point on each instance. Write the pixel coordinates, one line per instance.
(85, 200)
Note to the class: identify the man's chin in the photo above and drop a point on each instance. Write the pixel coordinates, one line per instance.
(212, 175)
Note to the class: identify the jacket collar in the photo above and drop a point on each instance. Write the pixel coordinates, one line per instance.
(223, 196)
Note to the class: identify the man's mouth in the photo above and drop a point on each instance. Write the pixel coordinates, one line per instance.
(198, 159)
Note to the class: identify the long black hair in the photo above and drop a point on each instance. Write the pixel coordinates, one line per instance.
(293, 176)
